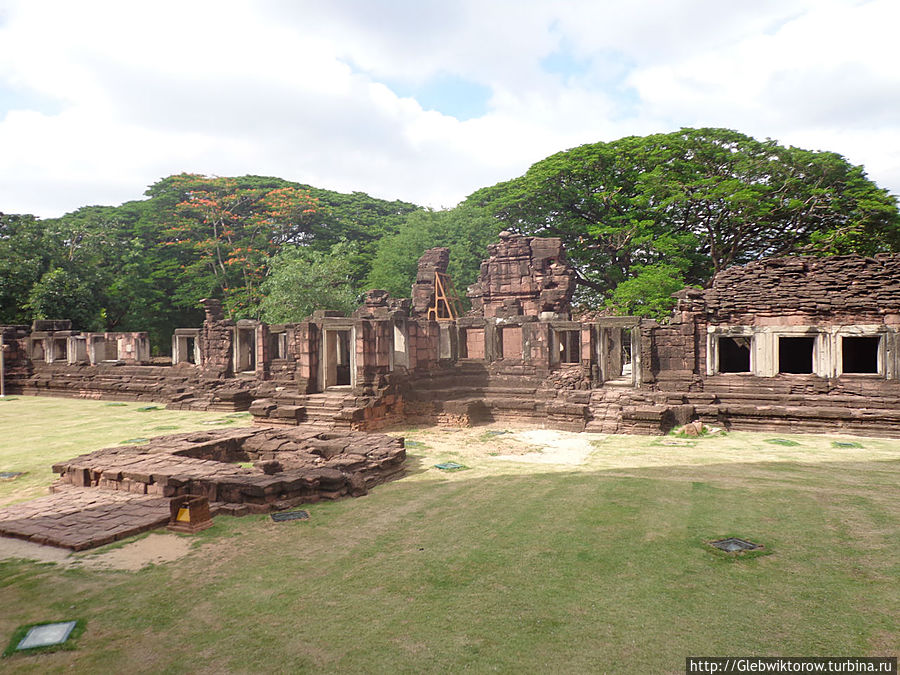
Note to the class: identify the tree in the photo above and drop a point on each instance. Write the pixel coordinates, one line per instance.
(62, 293)
(357, 218)
(465, 230)
(225, 234)
(23, 260)
(648, 293)
(302, 280)
(696, 201)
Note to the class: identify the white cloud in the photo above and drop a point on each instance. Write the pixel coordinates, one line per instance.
(131, 92)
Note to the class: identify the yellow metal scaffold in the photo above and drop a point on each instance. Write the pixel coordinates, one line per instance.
(447, 306)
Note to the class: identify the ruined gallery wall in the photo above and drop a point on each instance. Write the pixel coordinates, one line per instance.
(824, 300)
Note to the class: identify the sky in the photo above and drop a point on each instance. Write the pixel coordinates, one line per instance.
(420, 100)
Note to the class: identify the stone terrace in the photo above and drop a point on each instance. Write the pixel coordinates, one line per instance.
(117, 492)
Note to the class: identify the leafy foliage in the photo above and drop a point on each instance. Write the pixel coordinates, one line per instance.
(23, 260)
(465, 230)
(648, 293)
(696, 201)
(302, 280)
(145, 265)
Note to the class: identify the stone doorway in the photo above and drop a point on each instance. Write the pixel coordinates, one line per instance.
(338, 364)
(245, 350)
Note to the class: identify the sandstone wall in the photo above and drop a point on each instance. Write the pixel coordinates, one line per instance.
(524, 275)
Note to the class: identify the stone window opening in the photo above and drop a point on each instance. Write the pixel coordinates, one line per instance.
(627, 360)
(58, 349)
(185, 347)
(190, 345)
(110, 349)
(734, 354)
(401, 351)
(569, 346)
(37, 350)
(859, 354)
(278, 345)
(795, 355)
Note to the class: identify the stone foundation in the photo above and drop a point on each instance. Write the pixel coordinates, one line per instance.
(289, 466)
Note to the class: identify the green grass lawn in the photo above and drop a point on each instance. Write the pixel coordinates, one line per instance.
(505, 566)
(37, 431)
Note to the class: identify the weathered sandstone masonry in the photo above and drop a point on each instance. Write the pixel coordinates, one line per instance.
(118, 492)
(805, 344)
(795, 344)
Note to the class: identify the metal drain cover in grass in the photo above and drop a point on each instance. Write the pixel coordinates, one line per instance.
(290, 515)
(9, 475)
(449, 466)
(735, 545)
(47, 635)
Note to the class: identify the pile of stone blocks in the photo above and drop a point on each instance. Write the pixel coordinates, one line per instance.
(524, 275)
(434, 260)
(290, 466)
(836, 285)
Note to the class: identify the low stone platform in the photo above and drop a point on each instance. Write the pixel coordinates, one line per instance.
(264, 468)
(82, 518)
(117, 492)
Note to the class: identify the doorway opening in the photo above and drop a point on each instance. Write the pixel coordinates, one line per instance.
(245, 350)
(734, 355)
(795, 354)
(860, 354)
(338, 358)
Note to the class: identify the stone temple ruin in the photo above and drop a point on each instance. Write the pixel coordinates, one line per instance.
(118, 492)
(792, 344)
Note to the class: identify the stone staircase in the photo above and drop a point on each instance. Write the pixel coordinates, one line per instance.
(334, 409)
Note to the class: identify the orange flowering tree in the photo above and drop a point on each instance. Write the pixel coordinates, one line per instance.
(223, 235)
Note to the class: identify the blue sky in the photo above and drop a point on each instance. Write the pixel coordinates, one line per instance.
(447, 94)
(424, 101)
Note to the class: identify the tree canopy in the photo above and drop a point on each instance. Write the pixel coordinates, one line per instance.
(691, 203)
(146, 264)
(302, 279)
(465, 230)
(641, 217)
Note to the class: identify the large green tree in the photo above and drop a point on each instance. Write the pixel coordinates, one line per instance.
(200, 209)
(687, 204)
(465, 230)
(23, 261)
(301, 280)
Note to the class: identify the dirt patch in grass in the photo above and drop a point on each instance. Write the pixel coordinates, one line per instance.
(500, 449)
(26, 550)
(132, 556)
(151, 550)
